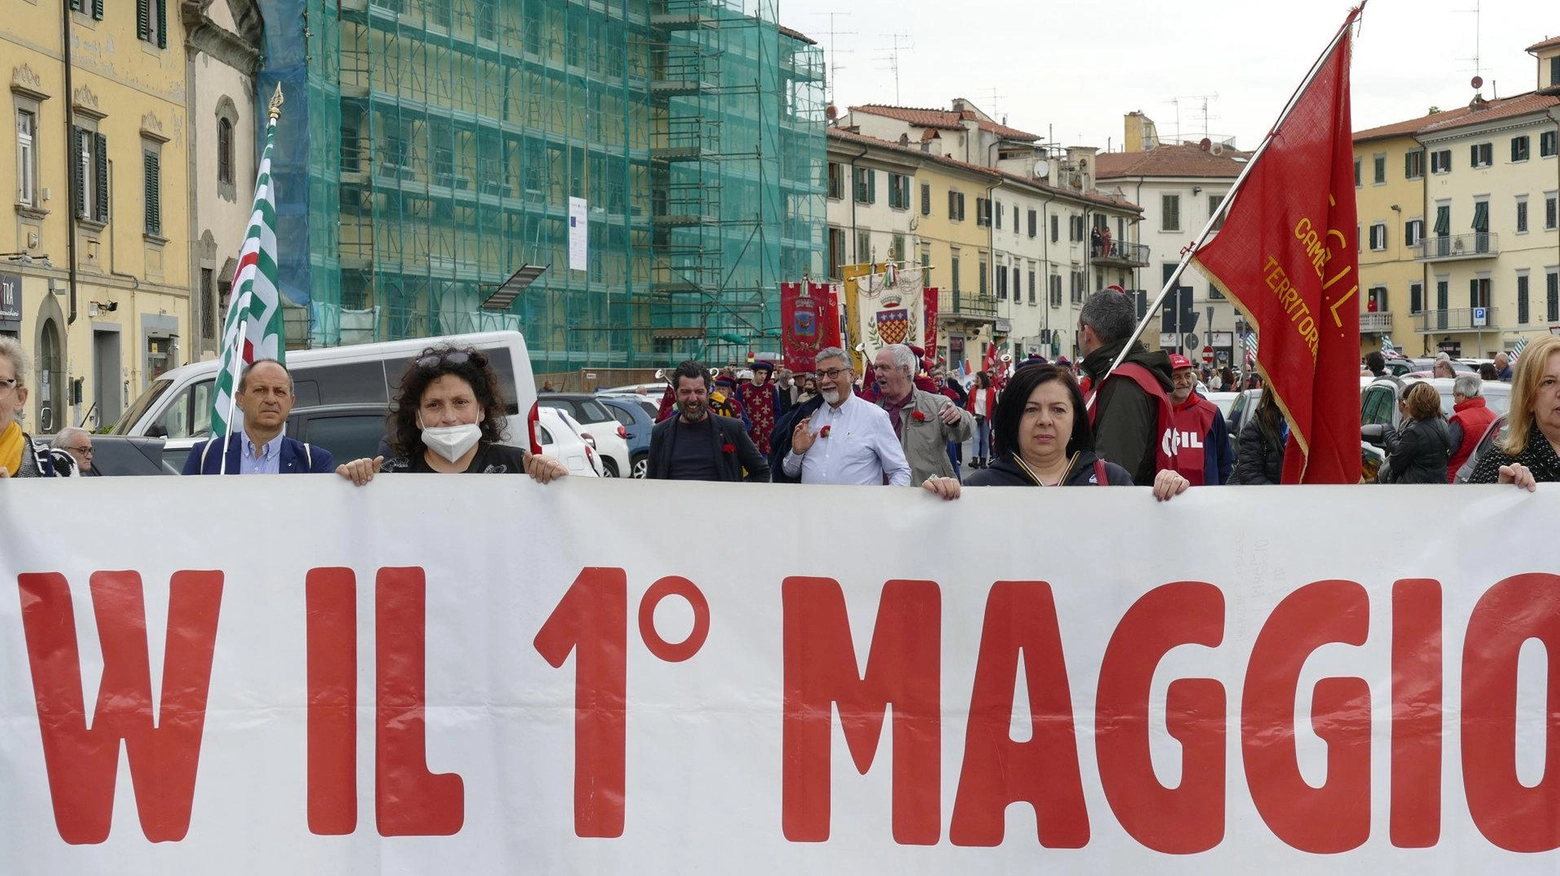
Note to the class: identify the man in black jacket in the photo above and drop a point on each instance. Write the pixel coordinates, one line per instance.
(697, 445)
(1132, 409)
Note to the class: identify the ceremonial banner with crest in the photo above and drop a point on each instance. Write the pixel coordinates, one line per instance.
(890, 309)
(799, 326)
(929, 308)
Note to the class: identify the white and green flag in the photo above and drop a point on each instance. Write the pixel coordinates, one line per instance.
(253, 329)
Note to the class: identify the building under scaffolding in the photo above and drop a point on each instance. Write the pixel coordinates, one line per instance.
(429, 148)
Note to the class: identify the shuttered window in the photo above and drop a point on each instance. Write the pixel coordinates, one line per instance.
(89, 175)
(151, 21)
(150, 162)
(100, 177)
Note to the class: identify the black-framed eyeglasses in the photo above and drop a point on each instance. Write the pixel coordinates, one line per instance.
(85, 451)
(832, 373)
(455, 358)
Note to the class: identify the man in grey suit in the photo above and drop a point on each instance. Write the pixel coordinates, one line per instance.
(924, 421)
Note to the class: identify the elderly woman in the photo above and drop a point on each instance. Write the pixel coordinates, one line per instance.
(1417, 452)
(20, 456)
(1470, 417)
(1041, 438)
(1530, 452)
(449, 418)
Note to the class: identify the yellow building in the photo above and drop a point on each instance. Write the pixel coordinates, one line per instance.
(95, 268)
(1389, 187)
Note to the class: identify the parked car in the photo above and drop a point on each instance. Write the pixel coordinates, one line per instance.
(115, 455)
(637, 423)
(1245, 402)
(609, 436)
(1225, 401)
(558, 435)
(1494, 432)
(177, 405)
(1379, 409)
(348, 431)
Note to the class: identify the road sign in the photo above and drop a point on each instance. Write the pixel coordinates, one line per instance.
(1480, 316)
(1207, 355)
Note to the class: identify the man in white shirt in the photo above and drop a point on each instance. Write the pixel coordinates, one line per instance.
(847, 440)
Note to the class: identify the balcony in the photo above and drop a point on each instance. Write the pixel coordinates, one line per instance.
(1457, 319)
(1457, 247)
(966, 305)
(1379, 322)
(1120, 254)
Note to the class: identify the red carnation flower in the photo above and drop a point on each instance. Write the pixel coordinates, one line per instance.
(824, 432)
(728, 448)
(918, 416)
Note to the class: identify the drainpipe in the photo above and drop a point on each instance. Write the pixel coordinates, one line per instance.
(70, 177)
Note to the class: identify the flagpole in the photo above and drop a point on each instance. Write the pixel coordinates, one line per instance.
(273, 112)
(1224, 205)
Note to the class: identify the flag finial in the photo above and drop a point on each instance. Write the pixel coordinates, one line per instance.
(275, 111)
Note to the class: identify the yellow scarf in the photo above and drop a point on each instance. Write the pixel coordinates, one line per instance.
(11, 446)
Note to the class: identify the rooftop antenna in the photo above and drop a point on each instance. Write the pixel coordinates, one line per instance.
(834, 55)
(1201, 101)
(995, 95)
(901, 42)
(1478, 17)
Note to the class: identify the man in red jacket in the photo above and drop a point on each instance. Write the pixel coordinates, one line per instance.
(1470, 417)
(1202, 438)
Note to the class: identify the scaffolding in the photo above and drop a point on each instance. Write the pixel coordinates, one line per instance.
(444, 139)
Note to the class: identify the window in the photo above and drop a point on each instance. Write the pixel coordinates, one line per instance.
(1002, 283)
(983, 288)
(896, 248)
(27, 157)
(866, 185)
(81, 6)
(953, 268)
(1522, 216)
(1441, 162)
(1481, 155)
(151, 22)
(1414, 164)
(1056, 229)
(1170, 209)
(1357, 177)
(1214, 203)
(1032, 299)
(151, 164)
(1077, 287)
(1376, 300)
(1549, 210)
(1522, 297)
(1520, 147)
(926, 199)
(898, 191)
(1479, 292)
(1552, 282)
(998, 216)
(1416, 297)
(1378, 236)
(1547, 141)
(1379, 169)
(224, 151)
(1413, 232)
(836, 180)
(1034, 223)
(955, 206)
(208, 304)
(1443, 288)
(863, 246)
(982, 212)
(1055, 287)
(90, 172)
(1075, 228)
(1015, 221)
(836, 250)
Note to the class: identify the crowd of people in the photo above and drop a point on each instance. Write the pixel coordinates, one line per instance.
(1142, 422)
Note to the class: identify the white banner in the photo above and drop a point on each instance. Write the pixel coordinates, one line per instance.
(890, 310)
(435, 675)
(579, 235)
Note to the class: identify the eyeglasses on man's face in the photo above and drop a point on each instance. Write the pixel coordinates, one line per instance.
(832, 373)
(84, 451)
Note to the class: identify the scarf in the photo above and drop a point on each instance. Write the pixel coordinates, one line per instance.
(12, 443)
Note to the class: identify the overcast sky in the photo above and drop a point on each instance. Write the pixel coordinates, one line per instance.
(1073, 75)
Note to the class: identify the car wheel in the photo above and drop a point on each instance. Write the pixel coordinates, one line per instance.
(608, 467)
(641, 466)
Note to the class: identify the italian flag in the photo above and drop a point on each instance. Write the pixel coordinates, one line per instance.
(253, 329)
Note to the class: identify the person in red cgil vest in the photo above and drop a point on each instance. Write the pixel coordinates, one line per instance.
(1131, 413)
(1202, 438)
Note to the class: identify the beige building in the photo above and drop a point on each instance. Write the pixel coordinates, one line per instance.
(95, 268)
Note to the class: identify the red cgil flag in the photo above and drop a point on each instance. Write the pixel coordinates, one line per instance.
(1287, 257)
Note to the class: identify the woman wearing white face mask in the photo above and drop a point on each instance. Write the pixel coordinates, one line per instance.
(449, 417)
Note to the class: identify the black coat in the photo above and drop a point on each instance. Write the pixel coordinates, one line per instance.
(729, 466)
(1006, 473)
(1261, 456)
(1417, 453)
(780, 442)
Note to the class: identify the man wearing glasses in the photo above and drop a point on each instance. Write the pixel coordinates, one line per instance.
(846, 440)
(78, 443)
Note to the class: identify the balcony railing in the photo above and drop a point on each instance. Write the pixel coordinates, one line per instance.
(1380, 321)
(1457, 319)
(1478, 245)
(1129, 255)
(967, 305)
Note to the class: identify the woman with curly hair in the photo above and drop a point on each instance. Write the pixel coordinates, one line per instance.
(449, 417)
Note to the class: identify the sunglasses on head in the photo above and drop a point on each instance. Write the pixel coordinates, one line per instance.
(454, 358)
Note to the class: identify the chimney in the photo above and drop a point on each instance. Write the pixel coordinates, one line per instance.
(1081, 158)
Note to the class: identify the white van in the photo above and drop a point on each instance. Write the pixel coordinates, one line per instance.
(177, 406)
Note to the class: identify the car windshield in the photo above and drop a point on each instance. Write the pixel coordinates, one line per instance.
(148, 398)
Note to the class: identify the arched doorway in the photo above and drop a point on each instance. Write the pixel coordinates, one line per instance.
(49, 387)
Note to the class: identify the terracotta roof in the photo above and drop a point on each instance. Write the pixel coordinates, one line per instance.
(941, 118)
(1184, 160)
(1403, 128)
(1504, 108)
(796, 35)
(1546, 44)
(1093, 197)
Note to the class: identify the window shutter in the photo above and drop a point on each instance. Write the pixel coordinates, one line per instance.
(100, 176)
(143, 19)
(97, 9)
(162, 23)
(1473, 293)
(153, 193)
(78, 182)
